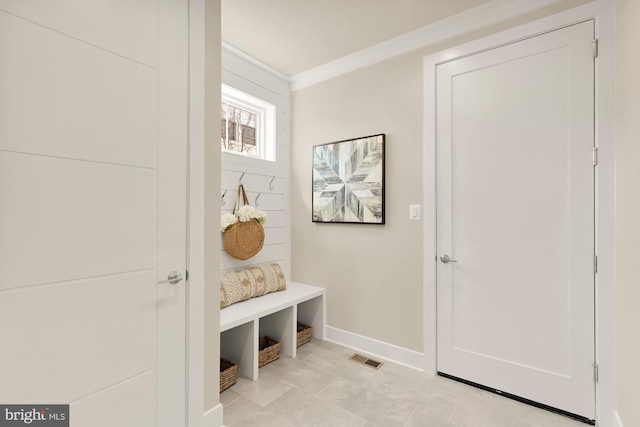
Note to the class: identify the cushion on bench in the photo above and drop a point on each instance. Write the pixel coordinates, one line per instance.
(250, 282)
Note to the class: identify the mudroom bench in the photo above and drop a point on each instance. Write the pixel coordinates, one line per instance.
(275, 315)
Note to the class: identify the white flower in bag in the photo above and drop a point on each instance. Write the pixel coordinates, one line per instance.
(246, 213)
(227, 221)
(261, 216)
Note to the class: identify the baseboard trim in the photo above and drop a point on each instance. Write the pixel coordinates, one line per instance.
(213, 417)
(370, 346)
(617, 421)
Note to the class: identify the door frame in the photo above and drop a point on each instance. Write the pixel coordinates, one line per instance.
(203, 216)
(603, 14)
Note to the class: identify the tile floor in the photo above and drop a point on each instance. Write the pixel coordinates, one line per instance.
(322, 388)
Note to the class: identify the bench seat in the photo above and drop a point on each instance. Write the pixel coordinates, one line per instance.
(276, 315)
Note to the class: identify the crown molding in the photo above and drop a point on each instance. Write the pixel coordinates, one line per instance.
(226, 47)
(477, 18)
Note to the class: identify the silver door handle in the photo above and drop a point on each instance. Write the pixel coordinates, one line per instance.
(173, 278)
(446, 259)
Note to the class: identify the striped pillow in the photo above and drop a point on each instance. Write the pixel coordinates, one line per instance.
(251, 282)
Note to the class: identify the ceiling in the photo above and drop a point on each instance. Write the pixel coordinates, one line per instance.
(292, 36)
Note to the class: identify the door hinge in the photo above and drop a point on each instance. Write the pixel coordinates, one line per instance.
(595, 48)
(595, 372)
(595, 264)
(595, 156)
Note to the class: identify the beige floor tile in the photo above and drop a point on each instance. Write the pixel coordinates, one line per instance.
(374, 407)
(475, 414)
(320, 387)
(423, 418)
(463, 391)
(303, 409)
(305, 350)
(538, 417)
(243, 413)
(264, 391)
(338, 364)
(402, 371)
(299, 373)
(420, 393)
(229, 396)
(336, 348)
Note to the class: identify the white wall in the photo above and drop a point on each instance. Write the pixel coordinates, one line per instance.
(373, 273)
(264, 181)
(628, 212)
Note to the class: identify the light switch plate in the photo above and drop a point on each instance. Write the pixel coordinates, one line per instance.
(414, 212)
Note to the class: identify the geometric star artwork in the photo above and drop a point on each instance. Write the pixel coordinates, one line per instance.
(348, 181)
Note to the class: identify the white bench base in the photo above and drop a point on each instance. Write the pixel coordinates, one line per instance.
(276, 315)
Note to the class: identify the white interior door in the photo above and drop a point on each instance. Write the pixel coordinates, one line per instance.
(92, 208)
(515, 210)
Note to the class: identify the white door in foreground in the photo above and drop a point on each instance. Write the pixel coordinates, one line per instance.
(515, 217)
(92, 210)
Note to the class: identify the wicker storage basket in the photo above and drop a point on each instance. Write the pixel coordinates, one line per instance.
(228, 374)
(269, 351)
(304, 334)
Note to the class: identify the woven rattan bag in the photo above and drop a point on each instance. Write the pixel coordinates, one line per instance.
(243, 239)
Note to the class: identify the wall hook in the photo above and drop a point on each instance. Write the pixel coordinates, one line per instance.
(256, 201)
(240, 180)
(271, 183)
(223, 194)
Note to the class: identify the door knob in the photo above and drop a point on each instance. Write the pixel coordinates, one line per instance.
(446, 259)
(173, 278)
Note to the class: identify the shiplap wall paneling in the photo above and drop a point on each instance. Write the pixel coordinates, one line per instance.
(266, 183)
(264, 192)
(268, 254)
(260, 200)
(251, 180)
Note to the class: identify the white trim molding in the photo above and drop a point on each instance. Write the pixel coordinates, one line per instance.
(203, 333)
(214, 417)
(370, 346)
(485, 15)
(227, 48)
(602, 13)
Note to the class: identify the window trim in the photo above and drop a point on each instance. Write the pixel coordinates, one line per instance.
(265, 122)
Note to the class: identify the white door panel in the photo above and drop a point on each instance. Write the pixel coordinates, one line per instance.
(515, 209)
(65, 219)
(93, 144)
(89, 104)
(90, 411)
(128, 28)
(77, 337)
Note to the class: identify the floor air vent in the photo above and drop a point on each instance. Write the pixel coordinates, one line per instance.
(364, 360)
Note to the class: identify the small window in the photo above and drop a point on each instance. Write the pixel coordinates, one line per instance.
(248, 125)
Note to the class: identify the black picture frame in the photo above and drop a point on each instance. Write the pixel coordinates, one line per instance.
(348, 181)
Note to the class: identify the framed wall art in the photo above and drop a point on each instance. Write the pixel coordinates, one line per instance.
(348, 181)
